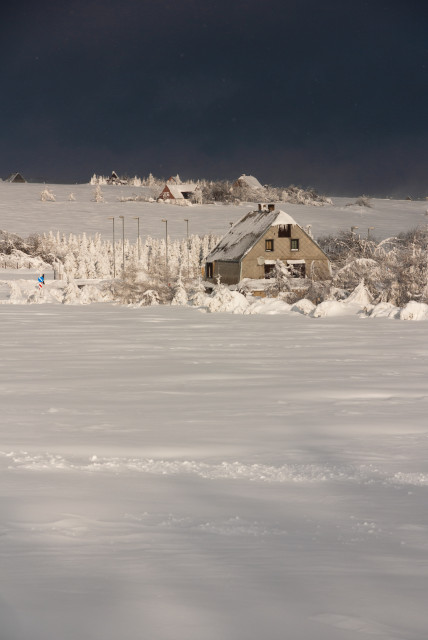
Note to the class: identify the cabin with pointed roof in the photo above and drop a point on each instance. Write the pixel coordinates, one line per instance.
(114, 179)
(253, 244)
(183, 191)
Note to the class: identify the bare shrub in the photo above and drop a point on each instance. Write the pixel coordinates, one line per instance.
(394, 270)
(363, 201)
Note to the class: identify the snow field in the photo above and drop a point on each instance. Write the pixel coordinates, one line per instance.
(176, 475)
(22, 212)
(167, 474)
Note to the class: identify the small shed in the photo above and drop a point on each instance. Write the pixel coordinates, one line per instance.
(15, 177)
(252, 246)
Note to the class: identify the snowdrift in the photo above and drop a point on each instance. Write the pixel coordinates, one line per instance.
(221, 300)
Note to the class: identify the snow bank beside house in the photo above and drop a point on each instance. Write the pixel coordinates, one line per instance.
(330, 308)
(414, 311)
(304, 306)
(268, 306)
(221, 300)
(384, 310)
(224, 300)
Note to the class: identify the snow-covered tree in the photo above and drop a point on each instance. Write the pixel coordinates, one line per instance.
(71, 293)
(47, 195)
(98, 194)
(279, 282)
(179, 292)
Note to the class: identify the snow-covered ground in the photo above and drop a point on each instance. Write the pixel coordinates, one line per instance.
(176, 475)
(168, 474)
(22, 212)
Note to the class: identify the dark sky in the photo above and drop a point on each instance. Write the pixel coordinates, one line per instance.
(330, 94)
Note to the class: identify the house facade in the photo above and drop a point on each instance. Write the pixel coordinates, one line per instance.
(252, 246)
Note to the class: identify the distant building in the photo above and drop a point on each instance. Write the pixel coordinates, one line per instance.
(184, 191)
(15, 177)
(174, 179)
(250, 182)
(253, 244)
(114, 179)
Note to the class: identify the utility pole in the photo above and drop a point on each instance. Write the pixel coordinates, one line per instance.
(123, 244)
(114, 253)
(166, 247)
(138, 237)
(186, 220)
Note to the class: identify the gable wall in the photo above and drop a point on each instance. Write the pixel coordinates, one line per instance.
(229, 272)
(308, 251)
(166, 194)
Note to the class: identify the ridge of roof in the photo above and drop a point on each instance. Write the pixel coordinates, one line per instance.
(243, 235)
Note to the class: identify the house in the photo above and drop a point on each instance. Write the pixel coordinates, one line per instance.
(114, 179)
(247, 182)
(184, 191)
(253, 244)
(15, 177)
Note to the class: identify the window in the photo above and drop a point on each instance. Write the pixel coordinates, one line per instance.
(269, 270)
(209, 270)
(298, 270)
(284, 231)
(268, 245)
(294, 245)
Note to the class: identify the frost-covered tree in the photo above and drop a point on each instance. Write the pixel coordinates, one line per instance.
(179, 292)
(394, 270)
(98, 194)
(71, 293)
(279, 282)
(47, 195)
(134, 288)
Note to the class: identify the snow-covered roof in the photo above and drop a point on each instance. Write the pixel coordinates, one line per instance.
(250, 181)
(187, 186)
(244, 234)
(283, 218)
(177, 190)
